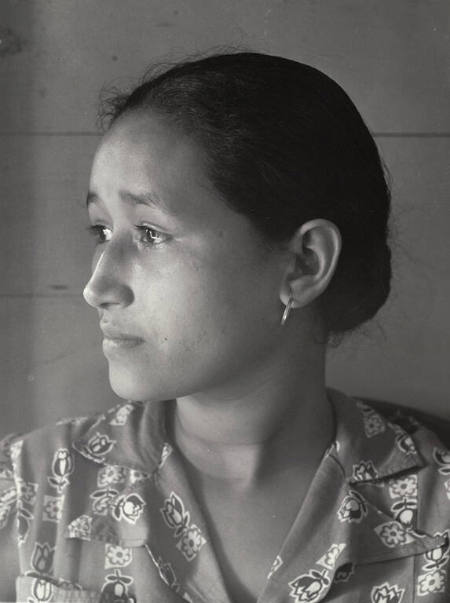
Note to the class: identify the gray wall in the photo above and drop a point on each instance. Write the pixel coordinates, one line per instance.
(392, 58)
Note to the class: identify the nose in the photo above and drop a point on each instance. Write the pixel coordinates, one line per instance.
(108, 283)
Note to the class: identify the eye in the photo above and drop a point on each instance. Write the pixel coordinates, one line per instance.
(147, 235)
(150, 236)
(101, 233)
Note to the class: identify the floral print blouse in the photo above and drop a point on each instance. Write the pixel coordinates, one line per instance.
(99, 509)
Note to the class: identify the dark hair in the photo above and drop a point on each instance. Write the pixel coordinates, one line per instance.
(284, 144)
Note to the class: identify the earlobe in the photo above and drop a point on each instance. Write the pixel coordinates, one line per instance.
(315, 248)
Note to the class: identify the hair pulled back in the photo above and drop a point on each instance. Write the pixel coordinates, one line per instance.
(284, 144)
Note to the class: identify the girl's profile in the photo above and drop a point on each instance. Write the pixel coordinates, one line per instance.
(240, 211)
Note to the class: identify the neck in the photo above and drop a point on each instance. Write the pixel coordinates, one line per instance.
(262, 423)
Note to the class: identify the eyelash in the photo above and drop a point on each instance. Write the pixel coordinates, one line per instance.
(96, 231)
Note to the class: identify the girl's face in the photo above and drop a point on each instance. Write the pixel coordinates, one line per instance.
(188, 297)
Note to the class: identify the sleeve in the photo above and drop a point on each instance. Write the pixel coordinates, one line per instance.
(9, 554)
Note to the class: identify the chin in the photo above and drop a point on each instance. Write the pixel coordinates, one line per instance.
(129, 386)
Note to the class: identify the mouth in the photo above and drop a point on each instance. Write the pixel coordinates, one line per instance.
(111, 344)
(115, 340)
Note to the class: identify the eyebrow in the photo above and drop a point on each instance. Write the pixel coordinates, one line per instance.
(149, 199)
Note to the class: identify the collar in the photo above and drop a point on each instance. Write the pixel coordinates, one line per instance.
(346, 518)
(368, 448)
(351, 514)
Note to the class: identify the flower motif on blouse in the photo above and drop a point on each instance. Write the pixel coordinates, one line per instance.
(374, 424)
(405, 511)
(165, 453)
(309, 587)
(98, 446)
(165, 570)
(353, 508)
(438, 557)
(137, 476)
(121, 414)
(442, 458)
(8, 500)
(129, 507)
(102, 499)
(24, 519)
(111, 474)
(331, 556)
(344, 572)
(62, 467)
(26, 491)
(404, 486)
(386, 593)
(42, 590)
(403, 440)
(392, 534)
(405, 443)
(364, 471)
(191, 542)
(168, 575)
(117, 556)
(80, 528)
(175, 515)
(115, 588)
(42, 558)
(432, 582)
(52, 508)
(278, 562)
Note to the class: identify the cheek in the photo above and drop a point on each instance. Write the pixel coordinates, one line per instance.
(212, 304)
(173, 302)
(201, 325)
(188, 305)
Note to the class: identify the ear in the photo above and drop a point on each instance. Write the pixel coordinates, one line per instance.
(315, 249)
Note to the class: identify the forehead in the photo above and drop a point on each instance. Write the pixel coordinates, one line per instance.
(146, 136)
(143, 154)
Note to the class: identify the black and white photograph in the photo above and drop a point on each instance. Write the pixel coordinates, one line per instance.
(225, 293)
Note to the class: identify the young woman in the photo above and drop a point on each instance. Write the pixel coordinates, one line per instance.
(240, 211)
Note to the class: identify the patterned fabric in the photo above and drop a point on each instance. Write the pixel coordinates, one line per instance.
(99, 509)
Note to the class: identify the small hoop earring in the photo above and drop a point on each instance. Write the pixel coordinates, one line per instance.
(287, 310)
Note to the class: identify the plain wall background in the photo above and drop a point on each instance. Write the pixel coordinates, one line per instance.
(55, 55)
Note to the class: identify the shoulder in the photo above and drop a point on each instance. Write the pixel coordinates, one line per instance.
(25, 458)
(435, 474)
(129, 434)
(415, 435)
(430, 435)
(38, 443)
(46, 475)
(391, 446)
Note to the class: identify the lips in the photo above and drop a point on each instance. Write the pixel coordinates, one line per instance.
(115, 339)
(111, 332)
